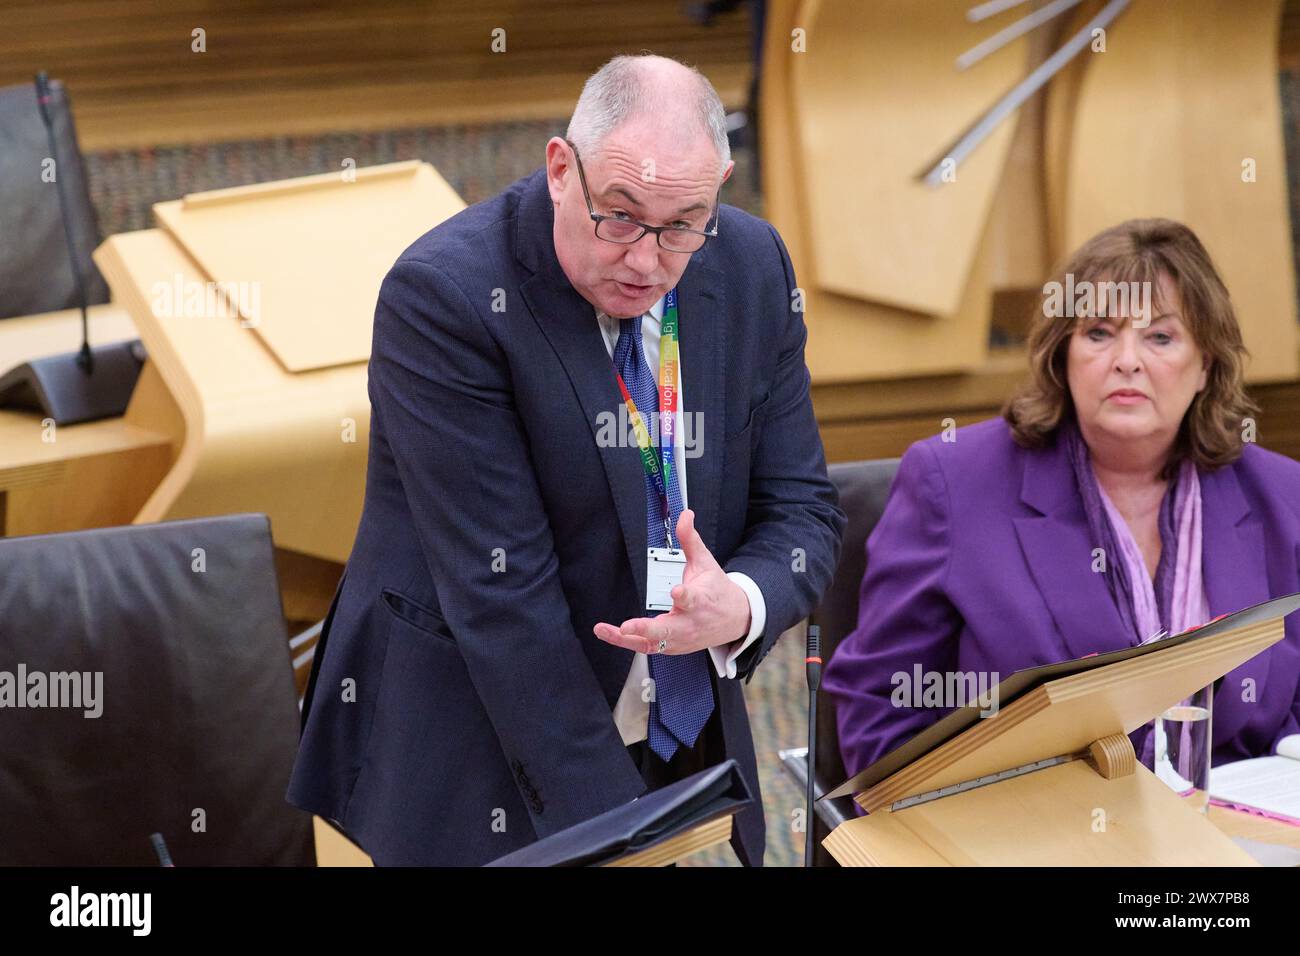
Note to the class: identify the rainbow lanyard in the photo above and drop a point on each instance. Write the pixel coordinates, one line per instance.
(667, 413)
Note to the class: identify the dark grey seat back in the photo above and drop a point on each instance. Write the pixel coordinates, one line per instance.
(864, 489)
(197, 722)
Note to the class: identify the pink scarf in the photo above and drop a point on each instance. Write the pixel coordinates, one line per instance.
(1187, 605)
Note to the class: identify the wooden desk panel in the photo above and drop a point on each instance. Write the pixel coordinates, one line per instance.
(76, 476)
(283, 69)
(256, 438)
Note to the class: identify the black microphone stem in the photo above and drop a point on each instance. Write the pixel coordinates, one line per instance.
(85, 360)
(813, 667)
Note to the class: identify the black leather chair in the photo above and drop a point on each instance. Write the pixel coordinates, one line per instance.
(35, 274)
(864, 488)
(198, 719)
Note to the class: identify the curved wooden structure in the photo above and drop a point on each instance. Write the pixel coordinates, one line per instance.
(1162, 124)
(898, 278)
(849, 338)
(252, 434)
(876, 97)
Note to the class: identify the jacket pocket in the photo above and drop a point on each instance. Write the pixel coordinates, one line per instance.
(416, 615)
(754, 414)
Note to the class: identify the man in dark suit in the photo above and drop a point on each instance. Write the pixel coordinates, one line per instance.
(495, 667)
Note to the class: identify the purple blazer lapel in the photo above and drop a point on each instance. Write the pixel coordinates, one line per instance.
(1232, 546)
(1058, 550)
(1233, 567)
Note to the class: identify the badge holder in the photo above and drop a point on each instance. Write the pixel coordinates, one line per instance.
(663, 572)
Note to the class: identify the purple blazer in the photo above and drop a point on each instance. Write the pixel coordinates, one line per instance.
(982, 561)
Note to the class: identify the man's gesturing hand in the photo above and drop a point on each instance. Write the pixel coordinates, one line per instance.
(708, 607)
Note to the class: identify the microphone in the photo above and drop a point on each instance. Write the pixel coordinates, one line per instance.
(160, 849)
(85, 360)
(67, 387)
(813, 668)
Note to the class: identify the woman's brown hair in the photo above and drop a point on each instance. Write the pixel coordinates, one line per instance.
(1139, 251)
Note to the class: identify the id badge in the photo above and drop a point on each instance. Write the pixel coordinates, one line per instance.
(663, 572)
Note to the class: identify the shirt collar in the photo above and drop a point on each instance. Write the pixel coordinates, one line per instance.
(655, 313)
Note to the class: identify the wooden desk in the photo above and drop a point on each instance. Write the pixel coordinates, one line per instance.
(90, 475)
(334, 849)
(1250, 826)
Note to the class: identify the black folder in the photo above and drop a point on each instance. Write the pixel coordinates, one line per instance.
(651, 819)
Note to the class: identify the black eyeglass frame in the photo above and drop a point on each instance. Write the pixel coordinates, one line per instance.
(598, 218)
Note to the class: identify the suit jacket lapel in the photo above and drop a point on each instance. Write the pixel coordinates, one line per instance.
(701, 302)
(1056, 544)
(569, 323)
(1233, 566)
(1057, 547)
(1232, 546)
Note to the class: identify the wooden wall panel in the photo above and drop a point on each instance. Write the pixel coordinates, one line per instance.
(302, 66)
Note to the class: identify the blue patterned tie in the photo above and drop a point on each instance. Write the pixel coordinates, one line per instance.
(683, 692)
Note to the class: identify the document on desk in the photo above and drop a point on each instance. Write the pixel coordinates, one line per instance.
(1267, 785)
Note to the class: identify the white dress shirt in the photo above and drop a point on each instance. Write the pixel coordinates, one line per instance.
(632, 712)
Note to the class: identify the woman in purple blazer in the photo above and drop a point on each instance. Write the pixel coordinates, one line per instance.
(1121, 493)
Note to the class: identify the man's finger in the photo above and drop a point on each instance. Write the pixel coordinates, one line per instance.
(689, 540)
(616, 636)
(666, 627)
(648, 627)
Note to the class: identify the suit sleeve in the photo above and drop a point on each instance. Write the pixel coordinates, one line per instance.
(794, 523)
(905, 619)
(441, 389)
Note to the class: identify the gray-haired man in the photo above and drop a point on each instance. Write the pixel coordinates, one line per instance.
(548, 608)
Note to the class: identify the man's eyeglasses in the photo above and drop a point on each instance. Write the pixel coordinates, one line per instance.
(623, 230)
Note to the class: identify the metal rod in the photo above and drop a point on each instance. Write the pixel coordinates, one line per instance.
(1016, 30)
(990, 9)
(932, 174)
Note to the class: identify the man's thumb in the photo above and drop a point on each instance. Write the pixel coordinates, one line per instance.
(689, 539)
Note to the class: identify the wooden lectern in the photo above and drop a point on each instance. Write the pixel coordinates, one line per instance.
(255, 305)
(1050, 778)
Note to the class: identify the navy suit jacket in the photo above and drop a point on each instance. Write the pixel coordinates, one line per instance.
(460, 705)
